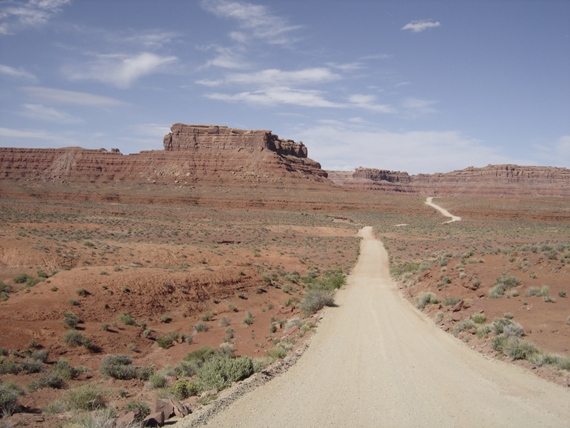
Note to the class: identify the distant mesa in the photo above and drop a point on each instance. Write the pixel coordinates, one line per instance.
(209, 155)
(492, 180)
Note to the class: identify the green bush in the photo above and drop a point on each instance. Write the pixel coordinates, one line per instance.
(9, 394)
(74, 338)
(221, 372)
(167, 340)
(127, 319)
(497, 291)
(9, 366)
(120, 367)
(201, 327)
(50, 380)
(465, 324)
(425, 298)
(248, 318)
(315, 300)
(182, 389)
(532, 291)
(479, 318)
(200, 356)
(278, 352)
(30, 365)
(85, 397)
(63, 369)
(156, 381)
(519, 349)
(70, 320)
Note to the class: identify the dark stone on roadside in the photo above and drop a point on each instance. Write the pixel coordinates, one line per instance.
(154, 420)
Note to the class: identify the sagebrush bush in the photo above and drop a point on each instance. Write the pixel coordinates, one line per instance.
(9, 366)
(127, 319)
(182, 389)
(425, 298)
(120, 367)
(479, 318)
(221, 372)
(167, 340)
(200, 356)
(465, 324)
(70, 320)
(142, 410)
(63, 369)
(85, 397)
(315, 300)
(201, 327)
(9, 394)
(156, 381)
(30, 365)
(50, 380)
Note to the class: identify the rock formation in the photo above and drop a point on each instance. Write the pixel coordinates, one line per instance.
(492, 180)
(192, 154)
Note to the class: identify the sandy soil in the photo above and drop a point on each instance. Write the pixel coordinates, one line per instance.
(376, 361)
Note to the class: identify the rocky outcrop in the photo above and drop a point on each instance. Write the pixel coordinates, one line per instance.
(220, 138)
(492, 180)
(192, 154)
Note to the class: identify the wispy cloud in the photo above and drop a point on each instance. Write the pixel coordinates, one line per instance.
(59, 96)
(276, 96)
(368, 102)
(255, 21)
(227, 57)
(417, 106)
(421, 25)
(118, 69)
(18, 73)
(274, 77)
(556, 153)
(31, 13)
(48, 114)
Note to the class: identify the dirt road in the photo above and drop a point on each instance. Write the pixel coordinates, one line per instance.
(376, 362)
(443, 211)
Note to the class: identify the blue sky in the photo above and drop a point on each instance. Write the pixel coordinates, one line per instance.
(416, 86)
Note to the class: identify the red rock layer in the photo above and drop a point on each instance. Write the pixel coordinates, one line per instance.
(492, 180)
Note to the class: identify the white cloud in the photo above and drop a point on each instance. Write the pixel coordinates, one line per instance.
(30, 13)
(230, 58)
(419, 26)
(49, 114)
(17, 73)
(59, 96)
(34, 138)
(368, 102)
(276, 96)
(255, 21)
(344, 147)
(274, 77)
(417, 106)
(119, 70)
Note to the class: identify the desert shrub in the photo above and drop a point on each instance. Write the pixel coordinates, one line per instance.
(568, 320)
(278, 352)
(532, 291)
(55, 407)
(21, 278)
(451, 301)
(157, 380)
(221, 372)
(483, 331)
(100, 418)
(224, 321)
(331, 280)
(425, 298)
(70, 320)
(465, 324)
(544, 290)
(9, 394)
(85, 397)
(142, 410)
(508, 281)
(519, 349)
(315, 300)
(497, 291)
(50, 380)
(40, 355)
(200, 356)
(182, 389)
(74, 338)
(127, 319)
(248, 318)
(549, 299)
(207, 316)
(563, 363)
(544, 359)
(185, 369)
(479, 318)
(120, 367)
(9, 366)
(167, 340)
(201, 327)
(82, 292)
(562, 294)
(63, 369)
(513, 330)
(30, 365)
(499, 324)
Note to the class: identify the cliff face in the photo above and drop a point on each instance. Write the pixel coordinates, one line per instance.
(192, 154)
(492, 180)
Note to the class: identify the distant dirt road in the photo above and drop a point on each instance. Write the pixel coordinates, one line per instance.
(429, 201)
(376, 362)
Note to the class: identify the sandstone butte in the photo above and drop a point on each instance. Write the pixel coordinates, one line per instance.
(207, 156)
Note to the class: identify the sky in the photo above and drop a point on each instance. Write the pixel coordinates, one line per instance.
(417, 86)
